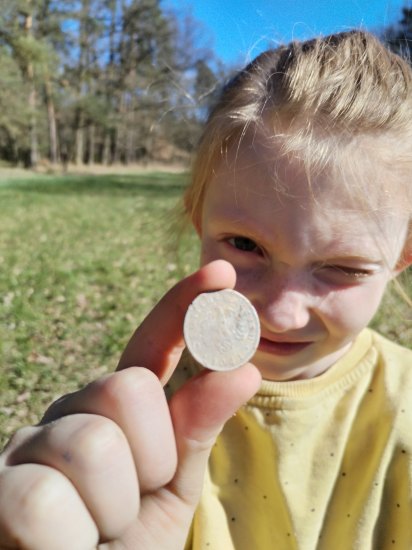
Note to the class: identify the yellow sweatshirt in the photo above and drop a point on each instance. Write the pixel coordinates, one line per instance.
(319, 464)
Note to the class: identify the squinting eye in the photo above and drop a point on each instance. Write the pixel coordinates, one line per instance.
(244, 244)
(345, 273)
(354, 272)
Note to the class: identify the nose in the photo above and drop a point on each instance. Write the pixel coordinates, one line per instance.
(283, 306)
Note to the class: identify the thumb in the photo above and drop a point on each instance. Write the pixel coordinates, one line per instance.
(199, 410)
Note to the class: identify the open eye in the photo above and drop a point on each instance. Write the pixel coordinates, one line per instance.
(244, 244)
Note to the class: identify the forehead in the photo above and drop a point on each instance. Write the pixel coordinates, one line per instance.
(361, 174)
(258, 185)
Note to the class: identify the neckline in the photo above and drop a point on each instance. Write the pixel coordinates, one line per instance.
(342, 374)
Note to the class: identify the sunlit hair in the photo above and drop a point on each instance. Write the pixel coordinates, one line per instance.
(317, 100)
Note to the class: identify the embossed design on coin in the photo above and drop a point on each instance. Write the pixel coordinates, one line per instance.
(221, 329)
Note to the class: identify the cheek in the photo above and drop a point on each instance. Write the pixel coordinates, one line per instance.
(351, 309)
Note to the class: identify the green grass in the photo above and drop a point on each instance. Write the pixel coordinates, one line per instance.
(82, 260)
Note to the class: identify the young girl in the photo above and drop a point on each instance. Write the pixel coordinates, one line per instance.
(302, 187)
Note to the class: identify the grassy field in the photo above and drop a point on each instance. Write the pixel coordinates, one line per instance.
(82, 259)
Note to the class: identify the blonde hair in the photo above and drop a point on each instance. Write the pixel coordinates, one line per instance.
(320, 97)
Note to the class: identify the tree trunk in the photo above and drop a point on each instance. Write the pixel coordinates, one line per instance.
(32, 99)
(120, 132)
(79, 139)
(130, 135)
(79, 156)
(106, 160)
(51, 117)
(34, 154)
(92, 144)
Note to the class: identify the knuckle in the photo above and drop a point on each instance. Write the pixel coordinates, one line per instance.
(44, 493)
(31, 499)
(36, 502)
(130, 382)
(95, 438)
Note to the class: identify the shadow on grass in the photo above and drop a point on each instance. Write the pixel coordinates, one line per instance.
(120, 185)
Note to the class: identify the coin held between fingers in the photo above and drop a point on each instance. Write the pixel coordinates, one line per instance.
(221, 329)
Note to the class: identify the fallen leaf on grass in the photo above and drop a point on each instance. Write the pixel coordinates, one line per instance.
(39, 359)
(23, 397)
(81, 301)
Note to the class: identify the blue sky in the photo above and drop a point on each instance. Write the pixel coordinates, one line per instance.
(239, 29)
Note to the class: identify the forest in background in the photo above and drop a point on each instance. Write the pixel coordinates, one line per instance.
(109, 81)
(100, 81)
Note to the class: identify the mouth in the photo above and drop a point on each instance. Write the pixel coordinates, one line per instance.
(281, 348)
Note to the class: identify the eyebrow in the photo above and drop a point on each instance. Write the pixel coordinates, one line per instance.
(248, 229)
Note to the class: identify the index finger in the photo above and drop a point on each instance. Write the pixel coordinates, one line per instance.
(157, 344)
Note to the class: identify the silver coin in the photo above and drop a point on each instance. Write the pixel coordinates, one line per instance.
(221, 329)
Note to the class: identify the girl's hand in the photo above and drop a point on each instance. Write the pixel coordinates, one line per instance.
(114, 465)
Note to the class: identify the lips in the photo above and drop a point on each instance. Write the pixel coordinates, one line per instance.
(281, 347)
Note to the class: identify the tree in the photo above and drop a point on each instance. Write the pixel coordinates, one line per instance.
(25, 34)
(13, 107)
(101, 80)
(16, 34)
(50, 17)
(399, 37)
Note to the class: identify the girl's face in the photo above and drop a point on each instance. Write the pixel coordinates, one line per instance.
(314, 267)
